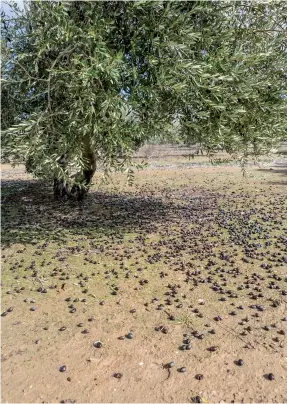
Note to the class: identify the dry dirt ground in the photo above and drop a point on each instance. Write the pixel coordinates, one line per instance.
(186, 258)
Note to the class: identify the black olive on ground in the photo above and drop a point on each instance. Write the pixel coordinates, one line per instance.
(270, 376)
(98, 344)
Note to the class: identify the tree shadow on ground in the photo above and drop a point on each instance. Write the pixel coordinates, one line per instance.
(30, 214)
(271, 170)
(282, 169)
(284, 183)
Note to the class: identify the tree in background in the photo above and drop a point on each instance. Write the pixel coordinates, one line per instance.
(87, 83)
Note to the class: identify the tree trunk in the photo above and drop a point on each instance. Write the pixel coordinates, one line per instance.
(63, 191)
(88, 173)
(61, 188)
(80, 192)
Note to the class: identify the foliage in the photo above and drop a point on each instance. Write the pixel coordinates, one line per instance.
(89, 82)
(239, 90)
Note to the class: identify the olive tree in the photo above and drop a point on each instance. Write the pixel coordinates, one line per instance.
(87, 78)
(89, 82)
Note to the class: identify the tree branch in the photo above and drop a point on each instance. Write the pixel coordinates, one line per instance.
(66, 51)
(26, 71)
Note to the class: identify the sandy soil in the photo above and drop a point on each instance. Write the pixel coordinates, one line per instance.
(201, 242)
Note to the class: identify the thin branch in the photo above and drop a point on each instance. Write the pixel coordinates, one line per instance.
(26, 71)
(66, 51)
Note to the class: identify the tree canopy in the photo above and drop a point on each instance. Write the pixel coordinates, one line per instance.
(86, 83)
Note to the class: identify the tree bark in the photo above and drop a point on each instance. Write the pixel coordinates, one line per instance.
(61, 188)
(63, 191)
(80, 192)
(89, 172)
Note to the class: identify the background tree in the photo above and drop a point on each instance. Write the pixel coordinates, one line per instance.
(87, 83)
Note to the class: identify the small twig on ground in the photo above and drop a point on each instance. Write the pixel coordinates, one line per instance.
(168, 369)
(231, 331)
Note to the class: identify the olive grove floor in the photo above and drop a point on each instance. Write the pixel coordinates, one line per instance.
(186, 256)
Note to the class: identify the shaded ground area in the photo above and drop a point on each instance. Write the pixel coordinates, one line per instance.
(187, 266)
